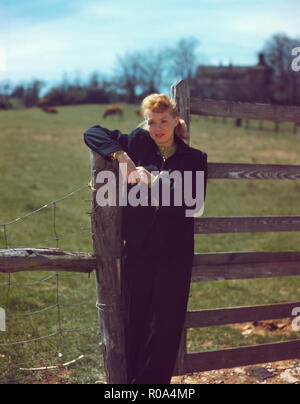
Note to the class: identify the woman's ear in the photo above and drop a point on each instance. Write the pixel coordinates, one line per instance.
(176, 120)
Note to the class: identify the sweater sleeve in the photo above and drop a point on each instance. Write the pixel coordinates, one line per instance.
(105, 141)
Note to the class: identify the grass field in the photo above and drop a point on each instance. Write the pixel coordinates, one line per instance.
(43, 158)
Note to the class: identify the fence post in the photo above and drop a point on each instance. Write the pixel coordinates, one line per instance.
(296, 130)
(180, 93)
(107, 244)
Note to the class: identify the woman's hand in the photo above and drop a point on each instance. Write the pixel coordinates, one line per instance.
(145, 175)
(131, 175)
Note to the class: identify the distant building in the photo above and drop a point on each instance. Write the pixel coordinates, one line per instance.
(234, 83)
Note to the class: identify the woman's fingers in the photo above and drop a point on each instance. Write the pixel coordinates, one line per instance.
(133, 177)
(144, 174)
(128, 169)
(140, 174)
(136, 175)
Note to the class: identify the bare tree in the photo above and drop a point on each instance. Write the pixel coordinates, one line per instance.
(129, 71)
(183, 59)
(94, 81)
(144, 72)
(5, 89)
(278, 54)
(153, 70)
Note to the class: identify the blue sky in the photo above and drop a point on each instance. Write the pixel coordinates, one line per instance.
(47, 38)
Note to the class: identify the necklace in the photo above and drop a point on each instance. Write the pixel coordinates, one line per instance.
(167, 151)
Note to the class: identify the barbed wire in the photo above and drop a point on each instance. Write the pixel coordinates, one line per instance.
(85, 230)
(45, 206)
(62, 328)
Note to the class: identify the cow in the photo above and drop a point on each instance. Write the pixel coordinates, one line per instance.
(113, 110)
(50, 110)
(44, 105)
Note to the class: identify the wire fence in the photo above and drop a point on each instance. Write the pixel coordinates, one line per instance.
(52, 329)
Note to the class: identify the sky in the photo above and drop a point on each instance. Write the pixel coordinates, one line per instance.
(46, 39)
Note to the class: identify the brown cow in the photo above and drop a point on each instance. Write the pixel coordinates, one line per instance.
(50, 110)
(113, 110)
(44, 105)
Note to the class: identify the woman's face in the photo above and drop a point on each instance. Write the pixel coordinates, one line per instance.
(161, 126)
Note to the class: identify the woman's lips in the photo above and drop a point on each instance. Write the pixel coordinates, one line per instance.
(159, 135)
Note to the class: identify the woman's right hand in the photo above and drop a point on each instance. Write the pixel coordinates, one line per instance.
(131, 174)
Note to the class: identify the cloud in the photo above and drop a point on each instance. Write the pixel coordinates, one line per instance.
(45, 39)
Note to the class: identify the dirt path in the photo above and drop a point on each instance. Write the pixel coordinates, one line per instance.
(283, 372)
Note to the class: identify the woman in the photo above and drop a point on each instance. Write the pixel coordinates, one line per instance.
(158, 240)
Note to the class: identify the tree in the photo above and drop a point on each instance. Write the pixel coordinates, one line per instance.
(144, 72)
(19, 91)
(154, 70)
(183, 59)
(5, 88)
(94, 81)
(129, 73)
(96, 93)
(278, 54)
(32, 93)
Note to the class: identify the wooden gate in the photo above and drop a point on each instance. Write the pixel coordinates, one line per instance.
(240, 265)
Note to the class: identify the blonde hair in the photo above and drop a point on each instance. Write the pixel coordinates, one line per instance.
(162, 103)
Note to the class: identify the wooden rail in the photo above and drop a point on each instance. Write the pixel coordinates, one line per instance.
(206, 266)
(245, 110)
(234, 357)
(45, 259)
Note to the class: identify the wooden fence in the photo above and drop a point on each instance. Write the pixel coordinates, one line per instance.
(106, 234)
(240, 265)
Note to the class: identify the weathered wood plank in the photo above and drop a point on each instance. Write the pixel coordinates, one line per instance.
(244, 265)
(238, 171)
(234, 357)
(246, 224)
(206, 266)
(232, 315)
(180, 93)
(45, 259)
(245, 110)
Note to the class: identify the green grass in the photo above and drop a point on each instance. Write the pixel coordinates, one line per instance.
(43, 158)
